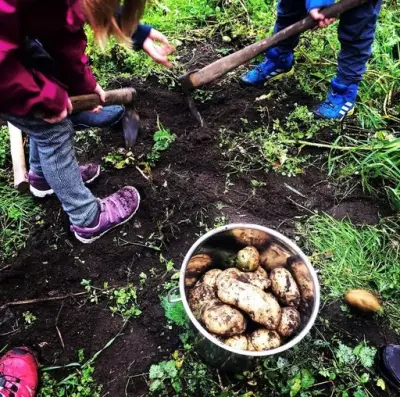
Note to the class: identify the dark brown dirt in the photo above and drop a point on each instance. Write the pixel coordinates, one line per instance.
(188, 182)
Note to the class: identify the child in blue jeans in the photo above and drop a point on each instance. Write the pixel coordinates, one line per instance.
(356, 33)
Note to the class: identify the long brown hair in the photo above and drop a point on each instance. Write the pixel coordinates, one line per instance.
(101, 17)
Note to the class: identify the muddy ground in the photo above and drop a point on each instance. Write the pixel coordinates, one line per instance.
(188, 182)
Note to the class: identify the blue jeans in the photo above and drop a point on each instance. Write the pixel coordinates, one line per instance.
(356, 33)
(52, 155)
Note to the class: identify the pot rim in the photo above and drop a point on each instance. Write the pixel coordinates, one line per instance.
(284, 240)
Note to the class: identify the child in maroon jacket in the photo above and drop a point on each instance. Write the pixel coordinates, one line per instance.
(25, 91)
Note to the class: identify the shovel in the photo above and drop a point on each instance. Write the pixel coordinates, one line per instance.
(211, 72)
(123, 96)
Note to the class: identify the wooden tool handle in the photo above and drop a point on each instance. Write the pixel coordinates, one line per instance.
(18, 159)
(230, 62)
(123, 96)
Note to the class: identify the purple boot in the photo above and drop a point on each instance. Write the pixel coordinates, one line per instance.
(115, 210)
(40, 188)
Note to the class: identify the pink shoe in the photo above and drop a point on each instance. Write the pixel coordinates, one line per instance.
(18, 373)
(40, 188)
(116, 210)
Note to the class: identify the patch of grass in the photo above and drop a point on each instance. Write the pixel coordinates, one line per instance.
(123, 300)
(175, 313)
(79, 383)
(340, 370)
(271, 147)
(356, 257)
(17, 215)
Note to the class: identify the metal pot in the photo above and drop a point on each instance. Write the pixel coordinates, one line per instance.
(209, 347)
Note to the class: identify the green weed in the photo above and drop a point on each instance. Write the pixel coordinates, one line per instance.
(356, 257)
(175, 313)
(29, 318)
(162, 140)
(123, 300)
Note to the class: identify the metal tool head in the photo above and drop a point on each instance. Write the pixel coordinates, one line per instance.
(187, 86)
(130, 126)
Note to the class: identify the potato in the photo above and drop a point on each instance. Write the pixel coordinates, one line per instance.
(363, 300)
(302, 276)
(290, 321)
(197, 265)
(250, 237)
(210, 278)
(237, 342)
(284, 287)
(261, 307)
(199, 295)
(273, 257)
(250, 346)
(259, 278)
(248, 259)
(265, 339)
(222, 319)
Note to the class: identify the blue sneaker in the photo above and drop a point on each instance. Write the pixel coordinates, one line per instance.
(340, 102)
(108, 117)
(274, 66)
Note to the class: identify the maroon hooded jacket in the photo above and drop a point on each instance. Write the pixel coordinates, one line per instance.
(58, 24)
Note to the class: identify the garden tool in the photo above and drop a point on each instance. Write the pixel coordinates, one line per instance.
(130, 127)
(123, 96)
(209, 73)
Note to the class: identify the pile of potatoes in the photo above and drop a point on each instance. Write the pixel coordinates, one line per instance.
(254, 301)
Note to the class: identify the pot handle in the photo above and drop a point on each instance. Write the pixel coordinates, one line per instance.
(173, 295)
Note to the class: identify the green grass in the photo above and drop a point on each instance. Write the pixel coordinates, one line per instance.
(356, 257)
(17, 212)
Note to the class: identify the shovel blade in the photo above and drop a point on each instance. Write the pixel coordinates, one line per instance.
(130, 127)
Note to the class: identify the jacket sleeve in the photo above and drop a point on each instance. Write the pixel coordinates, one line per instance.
(68, 51)
(23, 90)
(311, 4)
(141, 34)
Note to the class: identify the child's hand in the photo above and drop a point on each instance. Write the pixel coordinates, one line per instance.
(100, 92)
(158, 53)
(61, 116)
(323, 22)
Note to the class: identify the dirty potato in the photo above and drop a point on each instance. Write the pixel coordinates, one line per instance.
(274, 256)
(197, 265)
(259, 278)
(363, 300)
(248, 259)
(284, 287)
(290, 321)
(199, 295)
(250, 237)
(302, 276)
(222, 319)
(250, 346)
(238, 342)
(210, 278)
(261, 307)
(265, 339)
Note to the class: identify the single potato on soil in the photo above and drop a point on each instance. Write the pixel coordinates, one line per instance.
(273, 257)
(363, 300)
(284, 287)
(290, 321)
(222, 319)
(261, 307)
(199, 295)
(248, 259)
(265, 339)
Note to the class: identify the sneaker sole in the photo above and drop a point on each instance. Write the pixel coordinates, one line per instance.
(349, 113)
(91, 240)
(44, 193)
